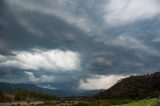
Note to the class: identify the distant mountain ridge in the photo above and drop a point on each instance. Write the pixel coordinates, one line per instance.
(8, 87)
(134, 87)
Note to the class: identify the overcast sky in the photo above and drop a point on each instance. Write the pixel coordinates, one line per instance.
(78, 44)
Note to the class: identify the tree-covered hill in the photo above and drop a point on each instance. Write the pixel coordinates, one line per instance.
(134, 87)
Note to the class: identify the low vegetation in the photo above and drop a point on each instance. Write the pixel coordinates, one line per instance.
(26, 98)
(146, 102)
(24, 95)
(150, 102)
(131, 91)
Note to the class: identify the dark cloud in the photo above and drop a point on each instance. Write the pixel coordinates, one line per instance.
(78, 26)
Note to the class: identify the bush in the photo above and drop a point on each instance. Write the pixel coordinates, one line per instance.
(28, 101)
(81, 104)
(18, 104)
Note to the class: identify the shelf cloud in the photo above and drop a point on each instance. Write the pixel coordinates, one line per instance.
(49, 60)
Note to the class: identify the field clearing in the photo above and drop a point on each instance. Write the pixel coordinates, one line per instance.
(149, 102)
(22, 103)
(146, 102)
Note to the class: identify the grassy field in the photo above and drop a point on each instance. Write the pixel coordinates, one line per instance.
(147, 102)
(150, 102)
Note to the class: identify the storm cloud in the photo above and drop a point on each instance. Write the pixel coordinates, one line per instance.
(75, 44)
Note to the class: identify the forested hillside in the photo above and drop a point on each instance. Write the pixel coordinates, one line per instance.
(134, 87)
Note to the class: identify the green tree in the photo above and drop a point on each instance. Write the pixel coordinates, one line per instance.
(1, 96)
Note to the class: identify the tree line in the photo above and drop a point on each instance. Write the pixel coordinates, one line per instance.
(24, 95)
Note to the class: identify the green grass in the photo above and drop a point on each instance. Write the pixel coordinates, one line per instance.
(149, 102)
(146, 102)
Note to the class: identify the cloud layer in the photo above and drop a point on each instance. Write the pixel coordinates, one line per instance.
(100, 82)
(124, 11)
(78, 42)
(43, 60)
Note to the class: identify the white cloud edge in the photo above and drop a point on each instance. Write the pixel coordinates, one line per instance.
(100, 82)
(48, 60)
(41, 79)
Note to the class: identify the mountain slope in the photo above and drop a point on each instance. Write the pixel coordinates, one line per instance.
(135, 87)
(8, 87)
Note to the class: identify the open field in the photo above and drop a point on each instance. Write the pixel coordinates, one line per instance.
(22, 103)
(150, 102)
(41, 103)
(146, 102)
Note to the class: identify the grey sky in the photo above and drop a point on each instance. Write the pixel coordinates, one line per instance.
(73, 44)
